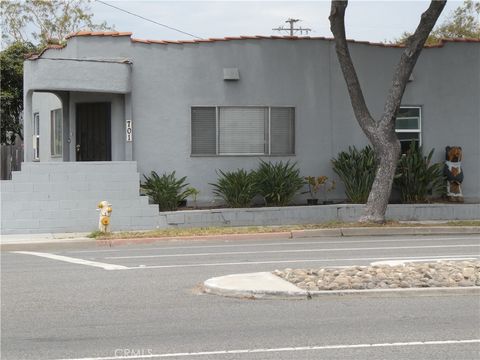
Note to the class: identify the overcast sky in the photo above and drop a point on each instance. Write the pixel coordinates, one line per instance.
(366, 20)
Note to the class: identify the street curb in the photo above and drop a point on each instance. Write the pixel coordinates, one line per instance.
(210, 286)
(9, 245)
(251, 236)
(411, 230)
(307, 233)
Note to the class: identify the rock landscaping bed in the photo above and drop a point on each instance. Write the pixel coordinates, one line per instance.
(408, 275)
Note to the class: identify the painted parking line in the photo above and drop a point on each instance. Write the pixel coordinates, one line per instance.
(246, 243)
(289, 251)
(283, 349)
(450, 257)
(74, 260)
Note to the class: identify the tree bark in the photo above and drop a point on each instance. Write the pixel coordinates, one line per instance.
(381, 133)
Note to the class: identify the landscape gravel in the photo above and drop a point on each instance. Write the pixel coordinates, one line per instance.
(407, 275)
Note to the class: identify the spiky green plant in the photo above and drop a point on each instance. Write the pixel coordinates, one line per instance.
(416, 177)
(356, 168)
(236, 188)
(167, 191)
(278, 182)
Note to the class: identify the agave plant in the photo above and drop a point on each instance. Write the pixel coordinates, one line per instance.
(278, 182)
(416, 177)
(357, 171)
(236, 188)
(167, 191)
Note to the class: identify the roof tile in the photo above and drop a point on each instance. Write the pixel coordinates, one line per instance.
(232, 38)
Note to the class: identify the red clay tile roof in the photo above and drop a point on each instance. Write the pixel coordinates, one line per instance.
(211, 40)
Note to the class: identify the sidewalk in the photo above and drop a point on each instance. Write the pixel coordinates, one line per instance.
(27, 241)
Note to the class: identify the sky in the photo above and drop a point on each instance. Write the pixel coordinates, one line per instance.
(365, 20)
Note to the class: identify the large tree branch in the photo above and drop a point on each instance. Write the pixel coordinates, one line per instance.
(413, 48)
(337, 26)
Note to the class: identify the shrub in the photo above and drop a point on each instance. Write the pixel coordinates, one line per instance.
(416, 178)
(278, 182)
(167, 191)
(236, 188)
(357, 171)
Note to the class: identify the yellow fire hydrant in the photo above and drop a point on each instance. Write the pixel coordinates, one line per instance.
(105, 212)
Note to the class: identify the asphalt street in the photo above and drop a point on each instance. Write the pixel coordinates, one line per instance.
(142, 301)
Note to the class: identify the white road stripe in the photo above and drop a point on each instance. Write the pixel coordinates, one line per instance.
(290, 261)
(246, 243)
(73, 260)
(283, 349)
(291, 251)
(401, 262)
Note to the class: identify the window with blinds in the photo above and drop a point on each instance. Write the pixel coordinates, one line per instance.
(236, 130)
(204, 131)
(282, 124)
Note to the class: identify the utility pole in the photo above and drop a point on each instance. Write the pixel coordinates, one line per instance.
(292, 29)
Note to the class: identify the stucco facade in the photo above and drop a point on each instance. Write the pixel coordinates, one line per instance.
(156, 84)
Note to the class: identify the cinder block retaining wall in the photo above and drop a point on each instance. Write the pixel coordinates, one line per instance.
(312, 214)
(62, 197)
(53, 197)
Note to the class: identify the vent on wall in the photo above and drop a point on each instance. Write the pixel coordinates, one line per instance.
(231, 74)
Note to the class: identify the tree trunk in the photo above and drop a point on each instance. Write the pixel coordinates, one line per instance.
(388, 153)
(381, 133)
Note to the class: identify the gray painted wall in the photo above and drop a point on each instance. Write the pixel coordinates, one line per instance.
(167, 80)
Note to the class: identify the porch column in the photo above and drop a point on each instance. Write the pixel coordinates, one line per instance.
(27, 126)
(128, 116)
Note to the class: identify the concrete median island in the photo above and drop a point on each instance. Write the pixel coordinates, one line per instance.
(404, 279)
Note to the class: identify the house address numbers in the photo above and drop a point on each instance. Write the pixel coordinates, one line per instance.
(128, 130)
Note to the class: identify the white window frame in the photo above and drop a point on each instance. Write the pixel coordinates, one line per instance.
(36, 136)
(268, 148)
(418, 129)
(53, 133)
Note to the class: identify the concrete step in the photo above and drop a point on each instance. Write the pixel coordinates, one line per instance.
(60, 197)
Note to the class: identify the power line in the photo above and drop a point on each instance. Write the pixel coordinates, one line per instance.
(152, 21)
(291, 28)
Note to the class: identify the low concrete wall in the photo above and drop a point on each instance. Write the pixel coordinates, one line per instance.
(312, 214)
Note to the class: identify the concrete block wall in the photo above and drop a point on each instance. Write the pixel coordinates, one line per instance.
(52, 197)
(291, 215)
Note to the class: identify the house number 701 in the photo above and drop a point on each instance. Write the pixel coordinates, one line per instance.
(128, 129)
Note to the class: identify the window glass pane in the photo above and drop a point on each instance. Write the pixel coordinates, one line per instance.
(407, 123)
(36, 136)
(52, 132)
(282, 133)
(409, 112)
(406, 140)
(36, 124)
(58, 131)
(242, 130)
(56, 123)
(407, 136)
(204, 131)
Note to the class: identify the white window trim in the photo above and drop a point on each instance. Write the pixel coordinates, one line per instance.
(217, 132)
(417, 130)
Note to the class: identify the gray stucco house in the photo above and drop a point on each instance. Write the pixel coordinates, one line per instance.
(106, 107)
